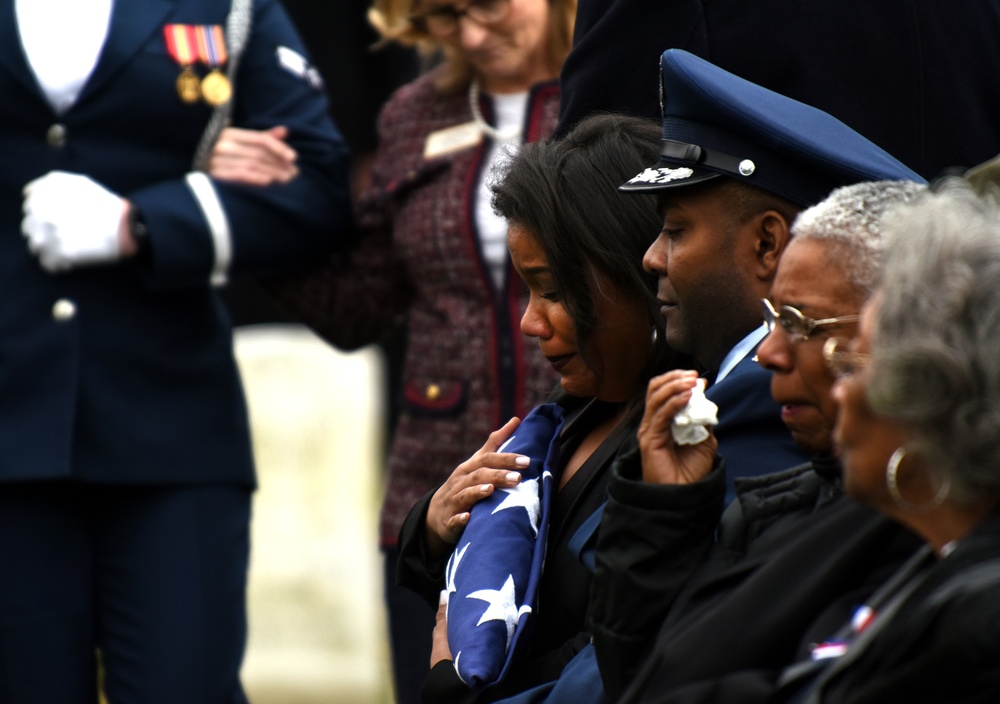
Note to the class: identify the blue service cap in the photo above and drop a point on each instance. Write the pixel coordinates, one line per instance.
(718, 124)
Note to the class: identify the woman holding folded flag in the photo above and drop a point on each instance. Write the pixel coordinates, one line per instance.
(592, 310)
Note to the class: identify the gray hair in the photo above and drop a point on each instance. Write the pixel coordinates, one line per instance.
(936, 345)
(849, 221)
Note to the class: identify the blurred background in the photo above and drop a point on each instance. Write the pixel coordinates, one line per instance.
(315, 609)
(321, 419)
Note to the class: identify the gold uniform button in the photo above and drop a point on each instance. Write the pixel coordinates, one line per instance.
(63, 310)
(56, 136)
(433, 392)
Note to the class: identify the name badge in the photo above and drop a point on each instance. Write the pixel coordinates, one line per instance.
(452, 139)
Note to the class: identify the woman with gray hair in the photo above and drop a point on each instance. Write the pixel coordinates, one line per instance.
(828, 271)
(919, 436)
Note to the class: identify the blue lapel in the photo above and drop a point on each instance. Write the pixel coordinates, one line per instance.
(132, 23)
(12, 53)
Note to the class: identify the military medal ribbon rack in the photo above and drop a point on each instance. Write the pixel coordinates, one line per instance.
(191, 44)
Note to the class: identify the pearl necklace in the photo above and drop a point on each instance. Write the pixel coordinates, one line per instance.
(485, 127)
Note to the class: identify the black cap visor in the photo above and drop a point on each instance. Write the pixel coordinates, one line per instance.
(665, 175)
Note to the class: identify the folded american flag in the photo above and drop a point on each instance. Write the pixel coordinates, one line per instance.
(492, 577)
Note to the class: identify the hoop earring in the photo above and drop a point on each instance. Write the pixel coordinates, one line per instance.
(655, 336)
(892, 469)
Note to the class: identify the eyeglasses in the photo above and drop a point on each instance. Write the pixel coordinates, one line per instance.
(842, 362)
(443, 20)
(797, 326)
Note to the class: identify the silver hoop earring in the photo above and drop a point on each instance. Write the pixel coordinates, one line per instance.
(655, 336)
(891, 482)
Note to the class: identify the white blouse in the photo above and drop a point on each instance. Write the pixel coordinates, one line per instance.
(509, 116)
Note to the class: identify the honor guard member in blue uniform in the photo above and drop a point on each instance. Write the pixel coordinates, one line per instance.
(125, 461)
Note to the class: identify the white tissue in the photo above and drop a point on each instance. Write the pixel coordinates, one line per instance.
(689, 426)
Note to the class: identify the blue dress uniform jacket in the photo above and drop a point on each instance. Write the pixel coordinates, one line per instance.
(124, 373)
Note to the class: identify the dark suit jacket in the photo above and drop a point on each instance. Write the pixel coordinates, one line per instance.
(920, 78)
(140, 386)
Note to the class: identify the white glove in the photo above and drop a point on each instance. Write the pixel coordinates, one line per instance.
(71, 220)
(689, 424)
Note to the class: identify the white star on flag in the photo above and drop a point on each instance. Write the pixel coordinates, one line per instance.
(502, 606)
(524, 495)
(451, 568)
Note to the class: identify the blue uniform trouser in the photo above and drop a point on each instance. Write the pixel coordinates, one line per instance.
(152, 578)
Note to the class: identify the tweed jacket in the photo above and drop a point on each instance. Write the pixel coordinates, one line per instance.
(467, 368)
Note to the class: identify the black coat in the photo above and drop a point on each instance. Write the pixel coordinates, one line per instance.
(942, 645)
(920, 78)
(792, 560)
(565, 585)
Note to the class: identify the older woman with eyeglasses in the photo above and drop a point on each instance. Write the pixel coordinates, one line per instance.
(919, 435)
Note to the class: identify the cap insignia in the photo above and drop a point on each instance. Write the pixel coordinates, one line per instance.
(662, 175)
